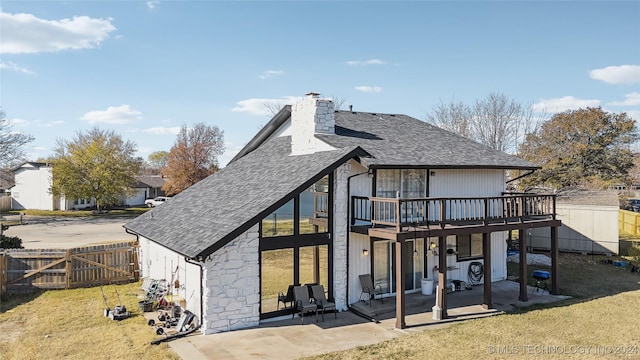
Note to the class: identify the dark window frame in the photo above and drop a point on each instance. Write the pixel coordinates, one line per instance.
(465, 252)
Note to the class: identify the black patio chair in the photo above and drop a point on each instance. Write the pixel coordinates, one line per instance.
(368, 288)
(286, 299)
(303, 302)
(321, 301)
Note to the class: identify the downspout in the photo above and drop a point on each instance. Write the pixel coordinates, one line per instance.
(349, 224)
(137, 241)
(188, 260)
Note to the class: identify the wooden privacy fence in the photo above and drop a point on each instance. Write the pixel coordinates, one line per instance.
(26, 270)
(629, 222)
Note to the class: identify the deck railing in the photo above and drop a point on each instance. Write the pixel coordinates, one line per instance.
(399, 213)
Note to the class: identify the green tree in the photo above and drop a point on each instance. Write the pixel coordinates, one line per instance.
(588, 147)
(11, 142)
(96, 164)
(158, 159)
(193, 157)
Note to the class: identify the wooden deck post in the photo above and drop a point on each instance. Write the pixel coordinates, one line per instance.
(486, 250)
(522, 249)
(441, 295)
(400, 285)
(554, 260)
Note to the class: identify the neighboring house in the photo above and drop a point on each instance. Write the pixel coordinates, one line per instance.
(147, 187)
(32, 190)
(323, 196)
(32, 187)
(589, 223)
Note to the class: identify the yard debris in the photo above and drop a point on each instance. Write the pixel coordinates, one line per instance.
(532, 259)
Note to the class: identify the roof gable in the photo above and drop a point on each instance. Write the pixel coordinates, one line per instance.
(214, 211)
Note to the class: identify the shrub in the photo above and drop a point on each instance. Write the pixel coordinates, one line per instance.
(10, 242)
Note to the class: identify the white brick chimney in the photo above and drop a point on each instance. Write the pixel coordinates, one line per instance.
(311, 116)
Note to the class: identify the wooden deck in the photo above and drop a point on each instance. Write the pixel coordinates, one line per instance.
(401, 219)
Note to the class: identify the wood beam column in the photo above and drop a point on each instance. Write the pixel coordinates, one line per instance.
(440, 310)
(554, 260)
(522, 249)
(400, 285)
(486, 250)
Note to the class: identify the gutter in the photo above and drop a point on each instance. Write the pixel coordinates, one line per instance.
(521, 176)
(188, 260)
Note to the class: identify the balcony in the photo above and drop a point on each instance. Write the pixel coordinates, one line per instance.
(397, 219)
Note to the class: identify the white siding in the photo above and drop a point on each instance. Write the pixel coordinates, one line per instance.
(31, 190)
(466, 183)
(158, 262)
(358, 263)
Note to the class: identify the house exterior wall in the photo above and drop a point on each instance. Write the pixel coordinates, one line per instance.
(232, 285)
(158, 263)
(463, 183)
(585, 229)
(31, 190)
(340, 228)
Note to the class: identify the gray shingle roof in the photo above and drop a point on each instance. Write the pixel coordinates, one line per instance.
(212, 212)
(152, 181)
(400, 140)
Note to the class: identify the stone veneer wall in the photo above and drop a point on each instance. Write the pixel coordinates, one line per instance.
(340, 222)
(232, 285)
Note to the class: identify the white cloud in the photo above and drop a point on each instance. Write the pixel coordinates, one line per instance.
(632, 99)
(15, 67)
(151, 4)
(634, 114)
(54, 123)
(162, 130)
(366, 62)
(122, 114)
(623, 74)
(563, 104)
(261, 106)
(25, 33)
(270, 74)
(369, 89)
(19, 122)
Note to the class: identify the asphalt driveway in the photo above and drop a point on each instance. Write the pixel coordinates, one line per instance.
(40, 232)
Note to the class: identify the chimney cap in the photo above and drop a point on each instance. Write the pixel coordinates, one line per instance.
(313, 94)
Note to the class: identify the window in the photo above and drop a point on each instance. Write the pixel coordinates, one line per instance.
(280, 222)
(409, 183)
(314, 208)
(469, 246)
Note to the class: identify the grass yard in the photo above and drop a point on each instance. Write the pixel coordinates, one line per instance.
(70, 324)
(601, 321)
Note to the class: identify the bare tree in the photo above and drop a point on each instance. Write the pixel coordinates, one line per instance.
(495, 121)
(11, 142)
(454, 116)
(274, 107)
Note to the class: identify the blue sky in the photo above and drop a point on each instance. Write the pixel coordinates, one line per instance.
(145, 68)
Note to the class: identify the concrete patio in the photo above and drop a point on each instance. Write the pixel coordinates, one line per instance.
(286, 338)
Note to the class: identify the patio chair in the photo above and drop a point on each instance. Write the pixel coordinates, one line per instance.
(286, 299)
(368, 288)
(303, 302)
(321, 301)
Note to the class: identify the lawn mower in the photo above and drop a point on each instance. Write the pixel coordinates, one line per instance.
(119, 312)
